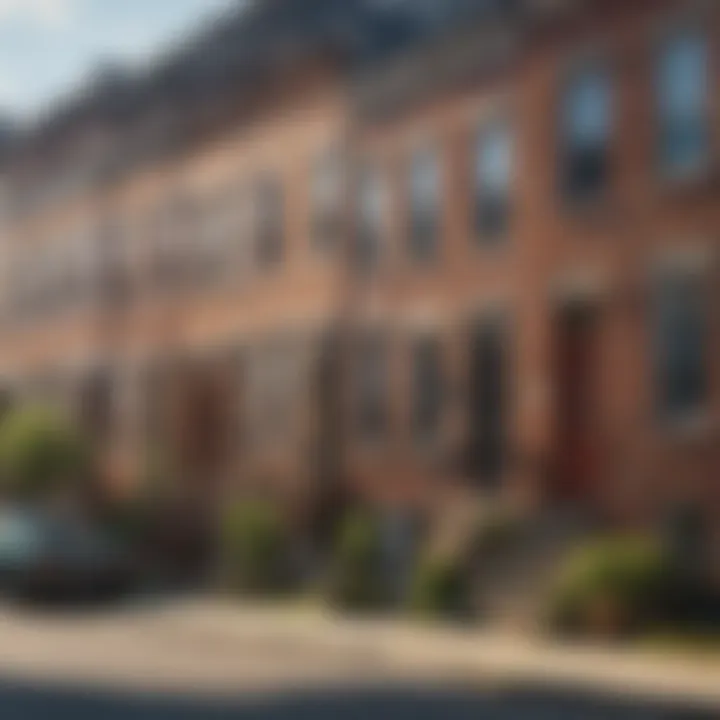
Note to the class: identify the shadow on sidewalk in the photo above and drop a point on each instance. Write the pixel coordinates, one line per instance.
(27, 702)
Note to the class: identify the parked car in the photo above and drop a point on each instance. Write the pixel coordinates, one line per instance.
(48, 558)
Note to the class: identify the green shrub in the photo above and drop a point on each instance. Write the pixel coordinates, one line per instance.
(356, 573)
(254, 549)
(440, 588)
(611, 587)
(130, 520)
(494, 533)
(40, 453)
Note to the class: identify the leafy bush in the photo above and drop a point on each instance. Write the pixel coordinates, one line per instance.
(254, 549)
(494, 533)
(40, 453)
(356, 575)
(440, 588)
(130, 520)
(611, 587)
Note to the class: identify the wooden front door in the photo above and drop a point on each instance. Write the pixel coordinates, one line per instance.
(576, 386)
(204, 423)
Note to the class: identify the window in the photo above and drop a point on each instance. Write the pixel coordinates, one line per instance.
(683, 87)
(327, 202)
(372, 206)
(97, 405)
(271, 391)
(585, 134)
(214, 242)
(268, 222)
(113, 276)
(424, 204)
(427, 388)
(242, 238)
(218, 222)
(487, 431)
(493, 179)
(173, 225)
(371, 385)
(681, 345)
(156, 228)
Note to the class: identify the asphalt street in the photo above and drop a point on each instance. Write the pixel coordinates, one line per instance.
(401, 702)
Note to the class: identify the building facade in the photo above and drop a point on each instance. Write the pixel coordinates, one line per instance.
(476, 260)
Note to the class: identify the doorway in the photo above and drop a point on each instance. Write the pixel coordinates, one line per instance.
(576, 382)
(488, 402)
(203, 423)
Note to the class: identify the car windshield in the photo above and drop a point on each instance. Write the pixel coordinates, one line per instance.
(19, 535)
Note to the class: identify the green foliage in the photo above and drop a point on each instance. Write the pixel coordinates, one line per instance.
(356, 575)
(495, 533)
(441, 588)
(130, 520)
(254, 548)
(40, 453)
(611, 587)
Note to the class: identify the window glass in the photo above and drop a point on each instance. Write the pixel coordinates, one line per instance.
(493, 180)
(268, 222)
(427, 388)
(681, 345)
(683, 103)
(487, 402)
(424, 200)
(586, 129)
(372, 387)
(327, 201)
(372, 206)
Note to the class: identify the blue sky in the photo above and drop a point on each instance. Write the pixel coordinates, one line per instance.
(47, 47)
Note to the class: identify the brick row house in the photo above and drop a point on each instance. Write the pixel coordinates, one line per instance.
(541, 271)
(418, 251)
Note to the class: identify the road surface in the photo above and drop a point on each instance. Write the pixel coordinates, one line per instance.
(393, 701)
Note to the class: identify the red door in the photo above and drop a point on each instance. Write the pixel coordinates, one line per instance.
(576, 363)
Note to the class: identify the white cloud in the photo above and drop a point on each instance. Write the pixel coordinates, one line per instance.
(43, 13)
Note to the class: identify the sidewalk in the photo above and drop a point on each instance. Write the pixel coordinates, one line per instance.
(468, 654)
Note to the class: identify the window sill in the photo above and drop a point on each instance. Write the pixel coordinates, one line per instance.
(325, 253)
(600, 207)
(428, 447)
(492, 243)
(423, 264)
(369, 448)
(487, 248)
(692, 427)
(369, 271)
(688, 181)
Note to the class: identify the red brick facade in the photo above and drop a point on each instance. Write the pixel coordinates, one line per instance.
(261, 332)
